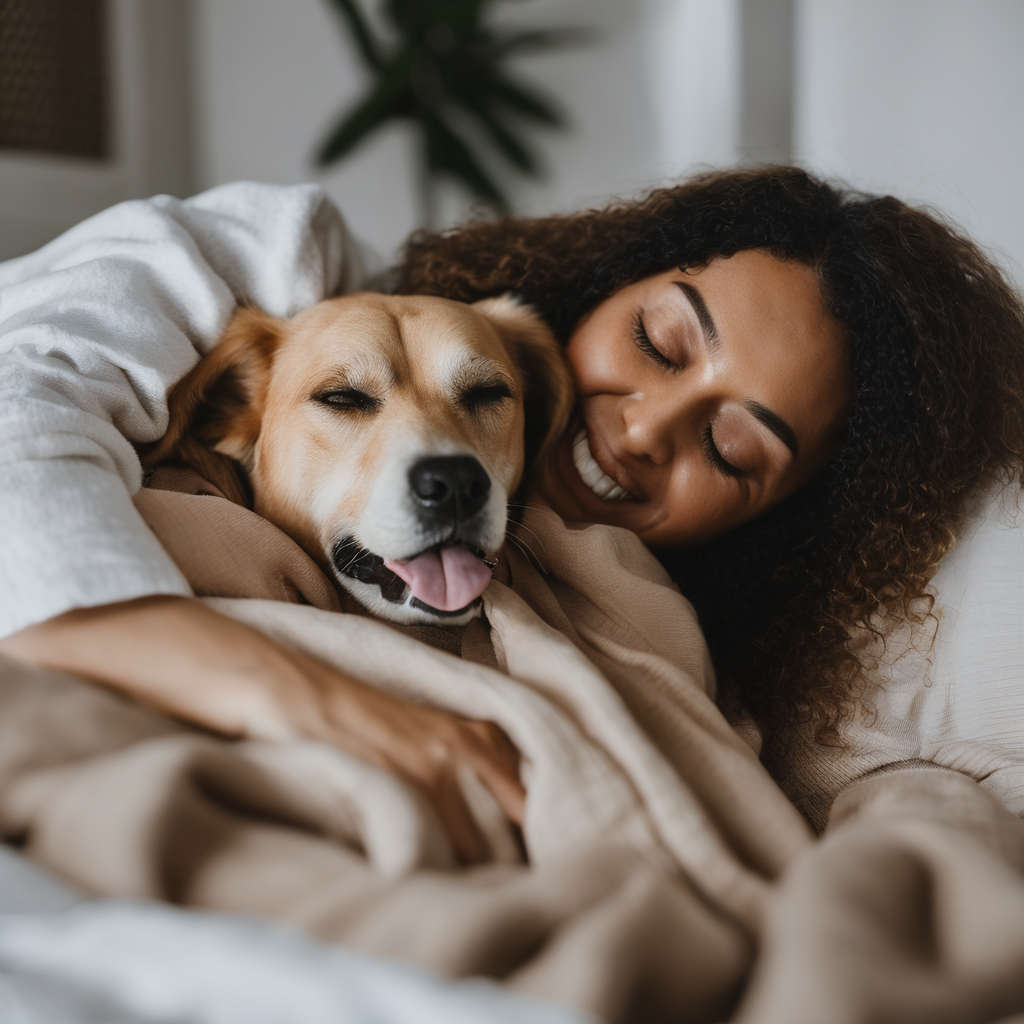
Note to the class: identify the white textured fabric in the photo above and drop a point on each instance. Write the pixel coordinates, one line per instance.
(950, 693)
(27, 888)
(94, 328)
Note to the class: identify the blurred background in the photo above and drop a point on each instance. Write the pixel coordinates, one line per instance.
(104, 100)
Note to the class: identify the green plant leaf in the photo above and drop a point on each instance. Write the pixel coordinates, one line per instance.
(514, 149)
(415, 17)
(542, 40)
(367, 45)
(391, 98)
(449, 154)
(449, 61)
(527, 102)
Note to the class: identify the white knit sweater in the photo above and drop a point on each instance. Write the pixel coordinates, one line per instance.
(94, 328)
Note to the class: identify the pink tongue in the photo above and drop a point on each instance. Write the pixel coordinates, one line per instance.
(447, 580)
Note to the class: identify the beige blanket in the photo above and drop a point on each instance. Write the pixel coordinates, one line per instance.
(655, 838)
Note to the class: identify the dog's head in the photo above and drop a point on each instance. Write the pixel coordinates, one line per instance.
(384, 434)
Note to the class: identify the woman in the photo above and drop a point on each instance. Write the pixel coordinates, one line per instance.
(788, 391)
(905, 349)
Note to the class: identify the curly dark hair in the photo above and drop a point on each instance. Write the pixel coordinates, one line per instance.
(937, 358)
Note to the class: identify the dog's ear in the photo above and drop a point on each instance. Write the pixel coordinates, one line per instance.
(216, 408)
(547, 384)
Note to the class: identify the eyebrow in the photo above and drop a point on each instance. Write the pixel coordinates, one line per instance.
(776, 424)
(707, 325)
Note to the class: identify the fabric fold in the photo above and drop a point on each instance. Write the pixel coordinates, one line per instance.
(666, 868)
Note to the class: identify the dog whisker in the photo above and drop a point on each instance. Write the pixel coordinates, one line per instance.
(355, 558)
(531, 508)
(519, 544)
(536, 536)
(527, 551)
(527, 546)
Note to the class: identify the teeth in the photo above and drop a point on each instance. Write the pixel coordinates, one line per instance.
(592, 474)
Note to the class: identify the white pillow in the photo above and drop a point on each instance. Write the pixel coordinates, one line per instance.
(950, 693)
(961, 702)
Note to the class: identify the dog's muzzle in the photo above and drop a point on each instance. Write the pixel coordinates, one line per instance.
(447, 495)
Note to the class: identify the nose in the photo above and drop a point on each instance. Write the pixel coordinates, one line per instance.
(651, 423)
(449, 488)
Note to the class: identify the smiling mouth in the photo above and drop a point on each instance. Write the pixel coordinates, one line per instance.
(438, 576)
(597, 481)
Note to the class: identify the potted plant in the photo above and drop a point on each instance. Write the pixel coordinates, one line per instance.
(444, 69)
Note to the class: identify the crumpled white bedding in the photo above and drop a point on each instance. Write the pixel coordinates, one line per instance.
(68, 960)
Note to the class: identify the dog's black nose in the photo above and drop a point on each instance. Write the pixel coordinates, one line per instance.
(452, 487)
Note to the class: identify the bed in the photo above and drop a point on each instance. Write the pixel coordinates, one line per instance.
(669, 876)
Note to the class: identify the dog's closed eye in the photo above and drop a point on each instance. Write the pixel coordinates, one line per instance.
(482, 395)
(349, 399)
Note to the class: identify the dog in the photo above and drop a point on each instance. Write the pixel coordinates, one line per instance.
(385, 434)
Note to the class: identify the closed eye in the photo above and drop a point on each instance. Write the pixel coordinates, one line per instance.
(715, 457)
(349, 399)
(483, 395)
(644, 343)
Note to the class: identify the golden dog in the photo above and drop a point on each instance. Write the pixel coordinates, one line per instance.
(384, 434)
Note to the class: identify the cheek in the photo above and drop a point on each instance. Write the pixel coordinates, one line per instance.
(596, 363)
(696, 507)
(509, 451)
(298, 465)
(497, 440)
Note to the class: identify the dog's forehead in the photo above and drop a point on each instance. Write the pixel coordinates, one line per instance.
(397, 335)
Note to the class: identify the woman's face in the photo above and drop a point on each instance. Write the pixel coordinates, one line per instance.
(705, 397)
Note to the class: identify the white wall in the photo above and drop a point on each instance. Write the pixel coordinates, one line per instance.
(43, 195)
(612, 144)
(923, 99)
(273, 77)
(693, 78)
